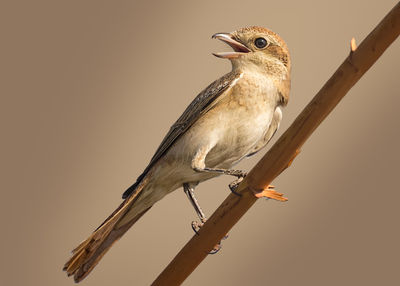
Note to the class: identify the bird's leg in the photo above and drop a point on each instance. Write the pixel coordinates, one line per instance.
(237, 173)
(231, 172)
(199, 165)
(189, 191)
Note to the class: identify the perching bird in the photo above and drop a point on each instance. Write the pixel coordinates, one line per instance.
(233, 118)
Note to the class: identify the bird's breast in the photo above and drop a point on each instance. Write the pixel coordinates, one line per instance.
(241, 119)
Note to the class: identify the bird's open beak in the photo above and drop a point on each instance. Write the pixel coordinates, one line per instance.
(238, 48)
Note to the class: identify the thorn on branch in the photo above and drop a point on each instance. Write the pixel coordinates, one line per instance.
(353, 45)
(269, 193)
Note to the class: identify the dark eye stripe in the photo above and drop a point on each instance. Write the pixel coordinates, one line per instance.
(260, 43)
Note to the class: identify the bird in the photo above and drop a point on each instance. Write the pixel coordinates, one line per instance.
(231, 119)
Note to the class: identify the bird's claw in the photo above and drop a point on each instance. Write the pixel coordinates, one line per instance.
(196, 227)
(233, 186)
(270, 193)
(216, 248)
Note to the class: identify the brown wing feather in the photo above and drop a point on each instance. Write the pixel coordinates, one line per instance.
(197, 107)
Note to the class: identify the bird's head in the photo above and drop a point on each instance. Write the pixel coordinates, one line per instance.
(255, 47)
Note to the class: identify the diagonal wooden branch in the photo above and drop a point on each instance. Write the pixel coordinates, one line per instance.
(284, 150)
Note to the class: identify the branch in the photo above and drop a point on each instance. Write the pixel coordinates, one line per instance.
(278, 158)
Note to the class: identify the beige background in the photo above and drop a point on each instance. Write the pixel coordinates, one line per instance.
(89, 89)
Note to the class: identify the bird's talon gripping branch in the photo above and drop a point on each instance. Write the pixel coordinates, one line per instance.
(270, 193)
(216, 248)
(233, 186)
(196, 226)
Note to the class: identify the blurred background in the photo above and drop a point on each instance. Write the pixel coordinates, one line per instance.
(90, 88)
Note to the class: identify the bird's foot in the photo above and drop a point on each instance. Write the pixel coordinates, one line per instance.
(270, 193)
(196, 227)
(237, 173)
(218, 246)
(233, 186)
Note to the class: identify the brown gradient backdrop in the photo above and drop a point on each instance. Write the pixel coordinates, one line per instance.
(89, 89)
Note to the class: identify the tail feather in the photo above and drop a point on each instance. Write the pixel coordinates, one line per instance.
(89, 252)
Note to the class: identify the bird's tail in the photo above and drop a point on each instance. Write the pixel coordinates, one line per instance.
(86, 256)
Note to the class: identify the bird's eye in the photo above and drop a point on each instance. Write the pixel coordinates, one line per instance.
(260, 43)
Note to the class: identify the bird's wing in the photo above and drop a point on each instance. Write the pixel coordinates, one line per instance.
(200, 105)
